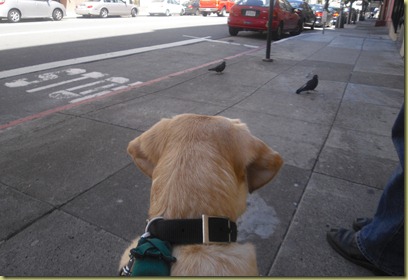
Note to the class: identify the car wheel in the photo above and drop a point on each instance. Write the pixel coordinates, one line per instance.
(167, 13)
(222, 13)
(104, 13)
(205, 14)
(233, 31)
(197, 12)
(13, 16)
(57, 15)
(277, 35)
(133, 12)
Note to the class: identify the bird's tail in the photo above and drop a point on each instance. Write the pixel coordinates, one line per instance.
(298, 91)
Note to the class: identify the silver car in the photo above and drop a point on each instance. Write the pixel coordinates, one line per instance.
(15, 10)
(105, 8)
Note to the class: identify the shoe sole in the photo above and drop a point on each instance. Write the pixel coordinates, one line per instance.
(364, 264)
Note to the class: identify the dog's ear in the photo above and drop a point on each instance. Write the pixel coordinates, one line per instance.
(264, 166)
(261, 162)
(145, 150)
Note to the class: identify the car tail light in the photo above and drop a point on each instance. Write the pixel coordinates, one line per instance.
(89, 7)
(2, 2)
(319, 14)
(190, 6)
(336, 14)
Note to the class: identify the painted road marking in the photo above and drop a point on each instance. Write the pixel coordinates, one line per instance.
(86, 59)
(85, 85)
(224, 42)
(131, 86)
(57, 84)
(104, 84)
(44, 77)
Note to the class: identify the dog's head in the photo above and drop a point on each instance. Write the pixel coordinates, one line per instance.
(202, 165)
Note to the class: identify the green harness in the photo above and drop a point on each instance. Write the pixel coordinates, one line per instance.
(151, 257)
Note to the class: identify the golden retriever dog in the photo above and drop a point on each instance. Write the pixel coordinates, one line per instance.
(204, 165)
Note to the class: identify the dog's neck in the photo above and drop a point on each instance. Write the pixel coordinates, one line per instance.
(211, 195)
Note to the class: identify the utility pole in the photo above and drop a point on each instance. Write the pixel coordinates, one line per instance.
(269, 35)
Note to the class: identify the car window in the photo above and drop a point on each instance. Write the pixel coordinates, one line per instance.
(286, 5)
(261, 3)
(295, 4)
(317, 7)
(282, 5)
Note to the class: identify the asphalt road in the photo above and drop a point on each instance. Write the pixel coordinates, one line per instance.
(35, 42)
(48, 66)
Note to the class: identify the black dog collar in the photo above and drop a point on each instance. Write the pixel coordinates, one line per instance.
(207, 230)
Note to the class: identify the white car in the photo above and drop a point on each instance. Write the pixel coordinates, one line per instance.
(15, 10)
(105, 8)
(165, 7)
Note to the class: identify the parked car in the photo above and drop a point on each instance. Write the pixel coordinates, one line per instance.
(219, 7)
(318, 10)
(165, 7)
(105, 8)
(305, 12)
(192, 7)
(15, 10)
(253, 15)
(335, 14)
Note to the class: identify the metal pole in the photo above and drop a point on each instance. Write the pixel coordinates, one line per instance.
(269, 35)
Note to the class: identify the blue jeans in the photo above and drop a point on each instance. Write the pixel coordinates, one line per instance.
(382, 241)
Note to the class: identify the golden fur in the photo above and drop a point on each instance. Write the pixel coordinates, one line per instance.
(204, 165)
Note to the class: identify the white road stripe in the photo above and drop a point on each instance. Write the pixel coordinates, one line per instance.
(62, 63)
(85, 85)
(137, 83)
(98, 88)
(224, 42)
(56, 84)
(90, 96)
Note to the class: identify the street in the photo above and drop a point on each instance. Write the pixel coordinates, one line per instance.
(47, 65)
(71, 197)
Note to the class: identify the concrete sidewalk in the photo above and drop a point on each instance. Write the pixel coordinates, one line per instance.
(71, 199)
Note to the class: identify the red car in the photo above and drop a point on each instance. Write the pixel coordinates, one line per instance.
(252, 15)
(220, 7)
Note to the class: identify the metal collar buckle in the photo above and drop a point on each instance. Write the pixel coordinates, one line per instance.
(146, 234)
(206, 229)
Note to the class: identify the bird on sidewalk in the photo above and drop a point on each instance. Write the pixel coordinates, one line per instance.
(219, 68)
(310, 85)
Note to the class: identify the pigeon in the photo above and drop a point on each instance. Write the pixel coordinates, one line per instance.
(310, 85)
(219, 68)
